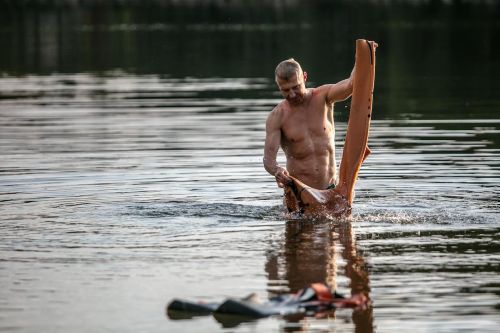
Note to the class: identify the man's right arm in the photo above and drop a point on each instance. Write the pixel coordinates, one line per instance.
(273, 141)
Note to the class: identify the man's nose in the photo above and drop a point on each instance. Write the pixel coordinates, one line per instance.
(291, 94)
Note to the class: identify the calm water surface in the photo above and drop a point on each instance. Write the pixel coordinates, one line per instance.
(121, 192)
(131, 169)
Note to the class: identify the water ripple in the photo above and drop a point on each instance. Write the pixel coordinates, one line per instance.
(117, 182)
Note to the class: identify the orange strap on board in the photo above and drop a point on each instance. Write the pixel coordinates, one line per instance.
(323, 293)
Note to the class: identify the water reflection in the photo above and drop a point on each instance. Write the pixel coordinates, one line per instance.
(185, 155)
(316, 252)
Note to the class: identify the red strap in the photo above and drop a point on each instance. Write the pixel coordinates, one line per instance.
(323, 293)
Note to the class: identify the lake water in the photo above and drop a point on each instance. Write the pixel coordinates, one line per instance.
(126, 181)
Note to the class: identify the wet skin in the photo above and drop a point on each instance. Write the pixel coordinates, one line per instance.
(302, 125)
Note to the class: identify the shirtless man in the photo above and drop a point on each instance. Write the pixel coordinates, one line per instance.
(302, 124)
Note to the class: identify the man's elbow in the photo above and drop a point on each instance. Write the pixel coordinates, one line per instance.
(347, 90)
(345, 96)
(350, 86)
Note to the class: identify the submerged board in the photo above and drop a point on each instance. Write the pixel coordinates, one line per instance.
(310, 301)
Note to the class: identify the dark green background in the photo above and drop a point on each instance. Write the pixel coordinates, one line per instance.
(437, 59)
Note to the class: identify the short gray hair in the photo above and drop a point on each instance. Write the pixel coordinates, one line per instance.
(287, 69)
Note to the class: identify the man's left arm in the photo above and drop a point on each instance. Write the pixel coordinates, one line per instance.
(340, 91)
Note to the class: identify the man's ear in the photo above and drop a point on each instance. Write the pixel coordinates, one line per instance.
(305, 76)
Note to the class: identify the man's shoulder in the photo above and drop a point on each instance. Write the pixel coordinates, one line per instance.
(276, 117)
(279, 109)
(321, 90)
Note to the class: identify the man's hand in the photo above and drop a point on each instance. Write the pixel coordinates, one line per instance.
(282, 177)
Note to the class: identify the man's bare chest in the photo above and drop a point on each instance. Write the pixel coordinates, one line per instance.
(307, 124)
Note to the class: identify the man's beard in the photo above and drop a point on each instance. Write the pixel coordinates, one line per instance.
(295, 100)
